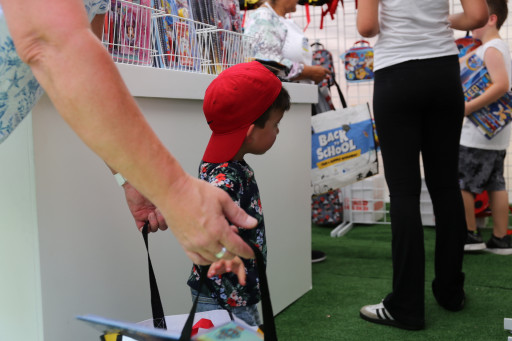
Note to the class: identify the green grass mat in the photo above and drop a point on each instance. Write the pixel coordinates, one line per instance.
(358, 271)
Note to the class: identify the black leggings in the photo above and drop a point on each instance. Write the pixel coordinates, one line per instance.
(419, 107)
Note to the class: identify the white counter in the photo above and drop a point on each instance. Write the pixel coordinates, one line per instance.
(69, 246)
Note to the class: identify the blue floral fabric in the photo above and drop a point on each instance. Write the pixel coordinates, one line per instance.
(237, 179)
(19, 89)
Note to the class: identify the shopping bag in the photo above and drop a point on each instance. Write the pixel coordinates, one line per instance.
(343, 148)
(358, 62)
(203, 326)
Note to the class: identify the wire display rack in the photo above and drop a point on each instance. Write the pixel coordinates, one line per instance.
(137, 34)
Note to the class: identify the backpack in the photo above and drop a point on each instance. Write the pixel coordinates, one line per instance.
(467, 44)
(332, 5)
(358, 62)
(327, 208)
(323, 57)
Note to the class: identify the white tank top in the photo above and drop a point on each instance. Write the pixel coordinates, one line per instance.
(413, 29)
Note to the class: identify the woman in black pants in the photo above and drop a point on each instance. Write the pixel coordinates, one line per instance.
(419, 107)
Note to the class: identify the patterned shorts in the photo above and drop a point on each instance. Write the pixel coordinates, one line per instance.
(481, 169)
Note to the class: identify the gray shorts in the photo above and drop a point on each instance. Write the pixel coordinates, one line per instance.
(481, 169)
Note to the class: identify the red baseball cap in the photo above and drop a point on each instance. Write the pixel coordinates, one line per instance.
(232, 102)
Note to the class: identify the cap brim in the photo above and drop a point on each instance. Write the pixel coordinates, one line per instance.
(223, 147)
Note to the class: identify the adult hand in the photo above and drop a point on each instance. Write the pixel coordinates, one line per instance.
(143, 210)
(198, 215)
(236, 265)
(316, 73)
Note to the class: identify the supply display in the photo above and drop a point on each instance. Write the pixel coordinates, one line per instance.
(186, 35)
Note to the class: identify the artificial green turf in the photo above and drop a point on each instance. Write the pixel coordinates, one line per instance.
(358, 272)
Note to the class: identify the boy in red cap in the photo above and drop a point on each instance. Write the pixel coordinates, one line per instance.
(243, 107)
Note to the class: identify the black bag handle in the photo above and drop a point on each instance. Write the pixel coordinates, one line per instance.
(186, 333)
(156, 302)
(266, 304)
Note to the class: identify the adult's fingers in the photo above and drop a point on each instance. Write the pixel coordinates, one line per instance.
(197, 258)
(162, 224)
(236, 245)
(236, 215)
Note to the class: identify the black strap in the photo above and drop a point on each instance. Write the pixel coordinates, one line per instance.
(156, 302)
(266, 305)
(342, 98)
(186, 333)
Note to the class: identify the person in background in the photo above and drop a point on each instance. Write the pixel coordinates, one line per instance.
(243, 107)
(418, 107)
(481, 160)
(50, 45)
(280, 39)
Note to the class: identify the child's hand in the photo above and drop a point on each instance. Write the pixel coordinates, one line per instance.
(234, 265)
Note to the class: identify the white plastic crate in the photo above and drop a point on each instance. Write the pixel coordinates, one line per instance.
(367, 198)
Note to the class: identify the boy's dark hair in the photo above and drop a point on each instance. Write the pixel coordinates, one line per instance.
(500, 9)
(282, 102)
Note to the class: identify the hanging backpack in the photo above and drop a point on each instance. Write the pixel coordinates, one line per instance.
(323, 57)
(332, 5)
(467, 44)
(358, 62)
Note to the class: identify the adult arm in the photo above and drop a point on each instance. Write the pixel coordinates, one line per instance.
(368, 18)
(495, 64)
(140, 207)
(316, 73)
(474, 15)
(55, 39)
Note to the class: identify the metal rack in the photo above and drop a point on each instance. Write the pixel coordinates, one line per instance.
(140, 35)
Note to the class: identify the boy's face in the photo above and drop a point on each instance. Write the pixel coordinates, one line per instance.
(264, 138)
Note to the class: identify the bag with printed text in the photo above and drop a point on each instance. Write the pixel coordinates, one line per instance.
(343, 148)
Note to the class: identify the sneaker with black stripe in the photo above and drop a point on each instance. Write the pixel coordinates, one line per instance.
(377, 313)
(474, 241)
(499, 246)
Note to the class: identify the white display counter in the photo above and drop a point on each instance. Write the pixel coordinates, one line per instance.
(69, 245)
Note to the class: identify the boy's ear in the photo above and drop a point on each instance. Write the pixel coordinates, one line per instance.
(493, 19)
(249, 131)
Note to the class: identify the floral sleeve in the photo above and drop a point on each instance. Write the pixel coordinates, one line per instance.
(224, 178)
(269, 35)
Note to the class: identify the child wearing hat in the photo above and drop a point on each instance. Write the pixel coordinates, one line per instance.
(243, 107)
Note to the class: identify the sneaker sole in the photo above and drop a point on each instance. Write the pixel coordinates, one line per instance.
(318, 260)
(502, 252)
(474, 247)
(393, 323)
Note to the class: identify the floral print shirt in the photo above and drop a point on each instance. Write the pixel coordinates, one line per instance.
(19, 89)
(237, 179)
(264, 25)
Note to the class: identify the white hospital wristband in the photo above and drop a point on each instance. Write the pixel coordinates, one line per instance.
(120, 179)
